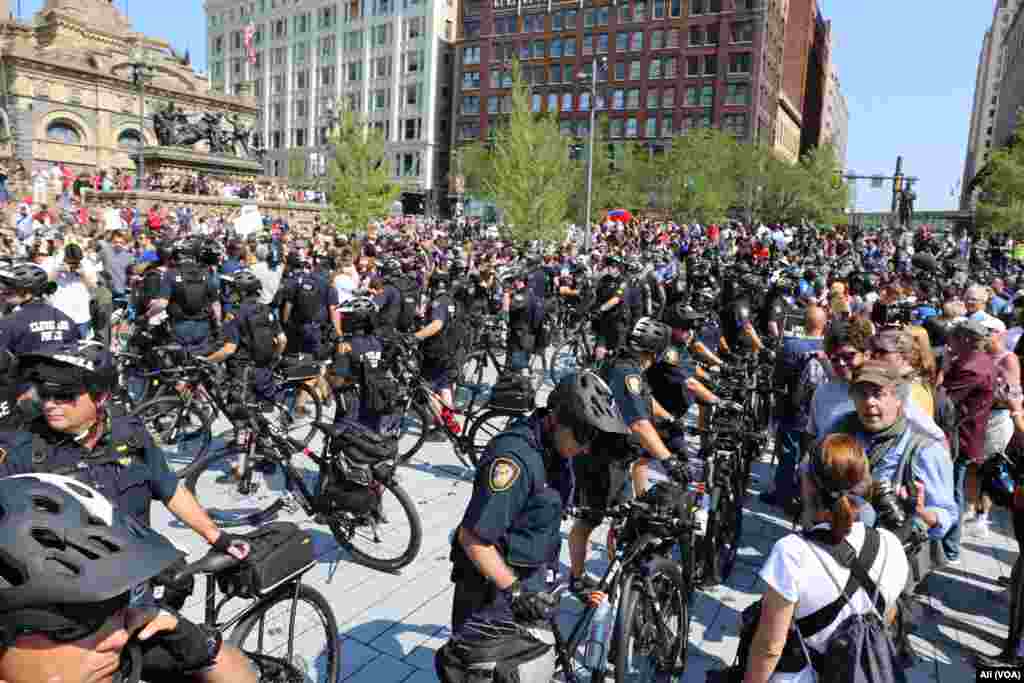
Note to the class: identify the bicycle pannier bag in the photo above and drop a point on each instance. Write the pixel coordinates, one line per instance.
(513, 391)
(278, 552)
(300, 366)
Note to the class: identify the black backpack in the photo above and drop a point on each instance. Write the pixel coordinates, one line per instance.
(380, 391)
(190, 296)
(410, 298)
(260, 330)
(308, 300)
(149, 289)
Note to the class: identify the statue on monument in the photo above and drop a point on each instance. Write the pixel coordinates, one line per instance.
(225, 135)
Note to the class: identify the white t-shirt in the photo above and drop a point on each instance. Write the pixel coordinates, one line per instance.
(797, 573)
(346, 285)
(72, 296)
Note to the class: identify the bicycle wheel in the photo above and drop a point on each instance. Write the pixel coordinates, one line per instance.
(386, 540)
(652, 631)
(489, 424)
(215, 486)
(181, 430)
(266, 633)
(296, 410)
(414, 423)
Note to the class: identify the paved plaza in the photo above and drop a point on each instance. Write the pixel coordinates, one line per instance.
(391, 625)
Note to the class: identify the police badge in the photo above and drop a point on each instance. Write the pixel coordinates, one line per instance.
(504, 472)
(634, 384)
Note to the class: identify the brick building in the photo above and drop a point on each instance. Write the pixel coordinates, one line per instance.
(672, 65)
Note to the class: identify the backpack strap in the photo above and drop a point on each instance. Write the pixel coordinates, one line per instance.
(844, 555)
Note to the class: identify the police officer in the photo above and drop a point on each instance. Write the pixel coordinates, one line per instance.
(612, 323)
(438, 338)
(739, 311)
(525, 313)
(510, 530)
(193, 299)
(674, 377)
(309, 304)
(387, 297)
(574, 286)
(360, 358)
(253, 336)
(601, 476)
(119, 458)
(32, 324)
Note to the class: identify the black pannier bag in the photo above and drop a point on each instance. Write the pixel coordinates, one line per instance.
(278, 552)
(513, 391)
(299, 366)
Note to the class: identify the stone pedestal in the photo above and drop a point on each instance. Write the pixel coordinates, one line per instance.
(171, 160)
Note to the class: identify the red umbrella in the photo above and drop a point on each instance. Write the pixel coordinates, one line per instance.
(620, 215)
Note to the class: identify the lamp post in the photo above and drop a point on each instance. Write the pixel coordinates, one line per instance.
(142, 67)
(589, 238)
(331, 118)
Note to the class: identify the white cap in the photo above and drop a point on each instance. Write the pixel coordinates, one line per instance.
(991, 322)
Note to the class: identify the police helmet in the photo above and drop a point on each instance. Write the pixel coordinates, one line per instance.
(682, 316)
(211, 252)
(29, 277)
(186, 251)
(63, 544)
(649, 336)
(440, 280)
(86, 365)
(359, 314)
(584, 403)
(244, 282)
(390, 266)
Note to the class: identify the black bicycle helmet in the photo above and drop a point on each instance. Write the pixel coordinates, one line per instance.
(86, 364)
(389, 267)
(440, 280)
(212, 252)
(244, 282)
(164, 253)
(649, 336)
(62, 544)
(359, 314)
(186, 251)
(584, 403)
(26, 276)
(682, 316)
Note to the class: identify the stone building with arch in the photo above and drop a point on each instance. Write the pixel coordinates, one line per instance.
(67, 91)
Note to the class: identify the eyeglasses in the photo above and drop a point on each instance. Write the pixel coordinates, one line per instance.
(59, 395)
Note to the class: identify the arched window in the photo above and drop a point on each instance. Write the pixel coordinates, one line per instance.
(61, 131)
(128, 139)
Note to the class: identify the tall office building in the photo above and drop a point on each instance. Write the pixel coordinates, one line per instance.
(835, 118)
(991, 65)
(671, 65)
(390, 60)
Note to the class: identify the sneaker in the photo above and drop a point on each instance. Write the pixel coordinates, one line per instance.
(979, 528)
(953, 561)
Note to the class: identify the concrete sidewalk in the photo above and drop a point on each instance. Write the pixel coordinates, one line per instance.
(391, 625)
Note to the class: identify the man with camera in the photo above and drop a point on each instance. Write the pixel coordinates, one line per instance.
(913, 471)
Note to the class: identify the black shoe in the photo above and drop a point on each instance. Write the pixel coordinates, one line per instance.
(580, 586)
(1003, 660)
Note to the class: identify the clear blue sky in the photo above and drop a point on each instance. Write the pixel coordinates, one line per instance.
(907, 69)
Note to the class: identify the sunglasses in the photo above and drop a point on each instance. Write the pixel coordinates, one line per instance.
(70, 623)
(845, 359)
(863, 392)
(59, 395)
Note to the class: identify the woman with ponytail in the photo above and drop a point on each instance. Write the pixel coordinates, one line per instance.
(801, 572)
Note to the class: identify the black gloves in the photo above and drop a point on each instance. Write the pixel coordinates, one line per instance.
(226, 540)
(676, 468)
(528, 606)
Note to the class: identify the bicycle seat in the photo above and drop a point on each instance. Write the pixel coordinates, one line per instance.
(214, 562)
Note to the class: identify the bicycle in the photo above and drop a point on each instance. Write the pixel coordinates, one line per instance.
(489, 350)
(576, 353)
(348, 495)
(252, 628)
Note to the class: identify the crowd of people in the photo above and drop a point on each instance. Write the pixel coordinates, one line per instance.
(899, 418)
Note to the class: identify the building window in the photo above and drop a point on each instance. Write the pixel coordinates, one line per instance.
(739, 63)
(737, 94)
(412, 129)
(470, 104)
(633, 98)
(743, 32)
(657, 39)
(470, 29)
(567, 101)
(618, 99)
(676, 8)
(470, 80)
(653, 98)
(705, 6)
(631, 129)
(651, 127)
(533, 23)
(471, 55)
(505, 24)
(569, 46)
(615, 128)
(668, 98)
(654, 68)
(61, 131)
(382, 67)
(301, 80)
(735, 124)
(635, 70)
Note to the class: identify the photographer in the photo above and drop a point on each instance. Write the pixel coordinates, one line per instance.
(914, 495)
(75, 284)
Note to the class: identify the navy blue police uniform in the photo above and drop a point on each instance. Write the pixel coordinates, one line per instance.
(36, 326)
(438, 351)
(361, 359)
(516, 506)
(602, 474)
(525, 324)
(667, 379)
(191, 329)
(252, 328)
(389, 303)
(311, 297)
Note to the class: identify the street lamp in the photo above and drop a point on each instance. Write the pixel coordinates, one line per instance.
(142, 68)
(582, 76)
(331, 117)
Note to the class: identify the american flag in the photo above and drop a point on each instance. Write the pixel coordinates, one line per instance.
(250, 49)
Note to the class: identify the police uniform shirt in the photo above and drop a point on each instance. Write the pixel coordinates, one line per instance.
(389, 303)
(630, 391)
(138, 473)
(36, 326)
(667, 379)
(361, 348)
(536, 282)
(441, 308)
(233, 322)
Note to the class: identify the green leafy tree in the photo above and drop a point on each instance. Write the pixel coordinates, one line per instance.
(524, 166)
(1001, 204)
(621, 175)
(699, 175)
(296, 167)
(360, 179)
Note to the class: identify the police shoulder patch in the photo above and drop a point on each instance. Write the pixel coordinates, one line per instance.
(634, 384)
(504, 472)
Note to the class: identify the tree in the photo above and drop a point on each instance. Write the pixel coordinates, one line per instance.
(525, 167)
(1001, 204)
(621, 175)
(360, 178)
(296, 166)
(699, 174)
(781, 192)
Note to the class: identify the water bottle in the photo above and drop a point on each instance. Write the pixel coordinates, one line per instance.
(597, 638)
(701, 514)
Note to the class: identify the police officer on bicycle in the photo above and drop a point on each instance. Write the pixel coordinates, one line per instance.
(510, 530)
(360, 358)
(33, 324)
